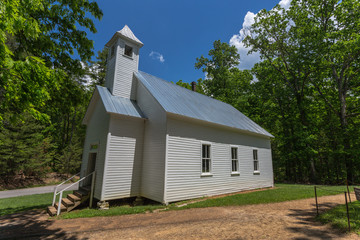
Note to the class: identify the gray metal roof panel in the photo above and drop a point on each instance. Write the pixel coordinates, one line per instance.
(178, 100)
(119, 105)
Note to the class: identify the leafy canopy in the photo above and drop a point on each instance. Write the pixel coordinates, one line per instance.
(37, 41)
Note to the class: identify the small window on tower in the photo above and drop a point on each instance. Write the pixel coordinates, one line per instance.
(128, 51)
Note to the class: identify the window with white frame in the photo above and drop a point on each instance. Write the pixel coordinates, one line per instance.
(234, 160)
(206, 158)
(256, 160)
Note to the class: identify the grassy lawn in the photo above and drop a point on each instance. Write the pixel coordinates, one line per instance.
(337, 217)
(282, 192)
(112, 211)
(24, 203)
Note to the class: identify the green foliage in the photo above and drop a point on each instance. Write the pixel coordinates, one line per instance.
(199, 85)
(308, 80)
(25, 149)
(223, 80)
(40, 76)
(337, 217)
(37, 40)
(98, 68)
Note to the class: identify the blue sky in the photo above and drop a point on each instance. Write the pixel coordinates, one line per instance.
(176, 32)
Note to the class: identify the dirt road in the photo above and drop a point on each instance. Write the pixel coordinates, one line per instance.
(286, 220)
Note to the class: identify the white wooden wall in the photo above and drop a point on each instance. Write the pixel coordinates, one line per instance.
(120, 70)
(152, 183)
(124, 157)
(184, 180)
(110, 72)
(96, 132)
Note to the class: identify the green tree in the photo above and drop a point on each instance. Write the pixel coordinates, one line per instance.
(199, 85)
(224, 81)
(98, 67)
(37, 41)
(25, 148)
(314, 48)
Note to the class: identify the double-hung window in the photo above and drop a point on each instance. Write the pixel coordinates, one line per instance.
(206, 159)
(234, 160)
(256, 160)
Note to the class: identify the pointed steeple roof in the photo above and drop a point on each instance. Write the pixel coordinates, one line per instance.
(127, 34)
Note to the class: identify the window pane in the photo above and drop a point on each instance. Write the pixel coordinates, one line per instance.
(208, 151)
(255, 154)
(233, 153)
(234, 166)
(203, 151)
(256, 165)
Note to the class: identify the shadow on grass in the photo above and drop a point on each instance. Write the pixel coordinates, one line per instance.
(13, 210)
(32, 224)
(307, 218)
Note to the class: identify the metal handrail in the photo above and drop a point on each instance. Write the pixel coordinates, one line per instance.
(55, 189)
(75, 182)
(91, 193)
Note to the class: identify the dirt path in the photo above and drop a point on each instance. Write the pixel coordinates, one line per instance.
(286, 220)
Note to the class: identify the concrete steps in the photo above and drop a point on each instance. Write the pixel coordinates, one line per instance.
(70, 202)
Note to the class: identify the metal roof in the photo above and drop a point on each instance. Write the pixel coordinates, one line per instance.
(178, 100)
(127, 34)
(119, 105)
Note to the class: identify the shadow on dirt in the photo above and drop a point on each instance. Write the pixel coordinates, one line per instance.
(31, 225)
(307, 218)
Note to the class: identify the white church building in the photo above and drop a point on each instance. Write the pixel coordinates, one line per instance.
(148, 137)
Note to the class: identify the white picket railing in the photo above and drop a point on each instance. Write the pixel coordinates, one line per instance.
(60, 193)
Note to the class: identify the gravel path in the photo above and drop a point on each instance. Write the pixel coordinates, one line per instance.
(286, 220)
(35, 190)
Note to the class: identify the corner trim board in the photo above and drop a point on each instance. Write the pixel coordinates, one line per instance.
(105, 164)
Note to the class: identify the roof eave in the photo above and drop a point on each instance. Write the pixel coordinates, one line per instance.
(94, 98)
(220, 125)
(119, 35)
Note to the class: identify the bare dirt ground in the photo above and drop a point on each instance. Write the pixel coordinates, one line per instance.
(286, 220)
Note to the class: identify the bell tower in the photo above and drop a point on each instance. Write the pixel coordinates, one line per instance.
(122, 62)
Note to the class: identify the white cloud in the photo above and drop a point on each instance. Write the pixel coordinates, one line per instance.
(157, 56)
(247, 61)
(285, 4)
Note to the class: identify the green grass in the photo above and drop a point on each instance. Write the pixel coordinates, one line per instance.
(338, 219)
(281, 193)
(24, 203)
(112, 211)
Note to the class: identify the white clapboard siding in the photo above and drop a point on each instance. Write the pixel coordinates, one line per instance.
(124, 69)
(110, 72)
(152, 184)
(96, 132)
(123, 163)
(184, 180)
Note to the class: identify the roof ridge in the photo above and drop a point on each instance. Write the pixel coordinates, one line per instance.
(191, 91)
(174, 99)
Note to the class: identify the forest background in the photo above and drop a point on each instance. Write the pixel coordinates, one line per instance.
(305, 90)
